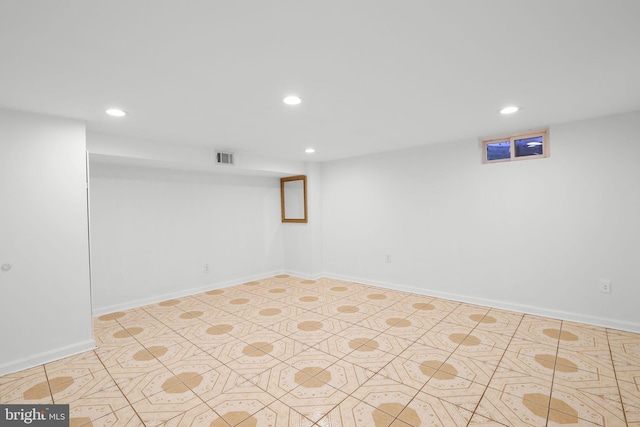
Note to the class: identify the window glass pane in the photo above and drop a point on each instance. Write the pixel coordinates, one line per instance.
(529, 146)
(498, 150)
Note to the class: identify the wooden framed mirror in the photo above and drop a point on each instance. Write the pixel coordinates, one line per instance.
(293, 198)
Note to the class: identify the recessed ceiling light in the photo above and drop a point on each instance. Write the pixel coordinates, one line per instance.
(116, 112)
(309, 151)
(509, 110)
(292, 100)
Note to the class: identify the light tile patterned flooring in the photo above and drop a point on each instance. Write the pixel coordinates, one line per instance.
(285, 351)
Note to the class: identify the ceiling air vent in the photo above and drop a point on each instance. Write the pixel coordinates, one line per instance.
(223, 158)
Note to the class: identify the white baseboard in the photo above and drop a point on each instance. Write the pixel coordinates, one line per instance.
(99, 311)
(502, 305)
(306, 276)
(46, 357)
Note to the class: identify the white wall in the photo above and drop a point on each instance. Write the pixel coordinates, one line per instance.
(534, 235)
(184, 157)
(153, 230)
(303, 254)
(45, 309)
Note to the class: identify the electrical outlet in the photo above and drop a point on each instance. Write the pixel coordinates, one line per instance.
(605, 286)
(206, 268)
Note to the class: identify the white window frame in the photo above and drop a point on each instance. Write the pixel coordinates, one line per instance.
(544, 133)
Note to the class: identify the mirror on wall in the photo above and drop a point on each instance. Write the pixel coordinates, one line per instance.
(293, 198)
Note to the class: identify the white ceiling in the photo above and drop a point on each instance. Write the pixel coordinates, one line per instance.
(373, 75)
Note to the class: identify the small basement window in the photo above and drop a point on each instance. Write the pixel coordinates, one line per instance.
(521, 146)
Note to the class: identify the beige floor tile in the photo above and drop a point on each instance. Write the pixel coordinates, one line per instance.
(467, 315)
(82, 363)
(94, 413)
(353, 412)
(337, 290)
(349, 339)
(254, 363)
(539, 329)
(369, 357)
(374, 298)
(314, 398)
(478, 420)
(445, 336)
(630, 394)
(510, 410)
(529, 348)
(143, 331)
(206, 314)
(469, 368)
(588, 360)
(598, 386)
(583, 338)
(125, 417)
(236, 326)
(128, 315)
(527, 363)
(184, 354)
(310, 332)
(454, 389)
(276, 414)
(29, 386)
(410, 328)
(136, 385)
(418, 365)
(161, 407)
(426, 409)
(625, 351)
(559, 418)
(485, 346)
(383, 390)
(523, 385)
(198, 416)
(308, 300)
(347, 310)
(282, 378)
(233, 404)
(439, 304)
(345, 376)
(626, 369)
(206, 383)
(271, 312)
(389, 343)
(416, 349)
(587, 404)
(274, 290)
(241, 302)
(504, 317)
(311, 355)
(287, 351)
(129, 356)
(163, 307)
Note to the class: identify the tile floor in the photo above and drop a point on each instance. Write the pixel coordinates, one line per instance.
(285, 351)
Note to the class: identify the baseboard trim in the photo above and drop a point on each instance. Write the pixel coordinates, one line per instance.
(46, 357)
(305, 276)
(502, 305)
(499, 304)
(179, 294)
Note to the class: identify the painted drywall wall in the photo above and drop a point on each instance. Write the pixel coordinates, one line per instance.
(153, 230)
(303, 255)
(184, 157)
(535, 236)
(45, 308)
